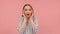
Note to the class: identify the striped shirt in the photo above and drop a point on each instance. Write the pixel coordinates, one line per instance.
(28, 29)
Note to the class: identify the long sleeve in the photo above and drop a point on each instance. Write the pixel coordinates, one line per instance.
(36, 24)
(19, 24)
(28, 29)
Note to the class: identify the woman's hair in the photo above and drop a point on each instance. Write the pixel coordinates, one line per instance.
(29, 6)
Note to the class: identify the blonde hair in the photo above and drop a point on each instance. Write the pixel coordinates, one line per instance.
(29, 6)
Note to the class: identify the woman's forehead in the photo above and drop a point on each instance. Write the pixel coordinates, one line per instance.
(27, 7)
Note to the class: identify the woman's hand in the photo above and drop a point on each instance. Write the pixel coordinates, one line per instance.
(24, 15)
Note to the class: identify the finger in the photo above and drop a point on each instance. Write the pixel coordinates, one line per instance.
(24, 15)
(32, 15)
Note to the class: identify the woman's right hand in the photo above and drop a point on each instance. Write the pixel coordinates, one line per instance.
(25, 18)
(24, 15)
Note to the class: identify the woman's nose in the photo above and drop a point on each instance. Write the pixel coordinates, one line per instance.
(27, 11)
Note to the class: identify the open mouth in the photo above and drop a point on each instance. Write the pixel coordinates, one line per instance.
(27, 14)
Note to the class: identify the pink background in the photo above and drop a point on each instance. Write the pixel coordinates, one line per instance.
(47, 12)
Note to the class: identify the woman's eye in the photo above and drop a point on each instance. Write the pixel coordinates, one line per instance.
(29, 9)
(25, 9)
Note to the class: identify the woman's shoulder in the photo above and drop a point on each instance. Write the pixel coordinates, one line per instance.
(21, 18)
(34, 17)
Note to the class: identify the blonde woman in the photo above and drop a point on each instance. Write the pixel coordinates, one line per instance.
(28, 23)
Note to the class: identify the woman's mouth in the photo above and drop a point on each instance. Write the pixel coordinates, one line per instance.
(27, 14)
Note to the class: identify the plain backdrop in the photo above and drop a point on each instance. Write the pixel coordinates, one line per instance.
(46, 11)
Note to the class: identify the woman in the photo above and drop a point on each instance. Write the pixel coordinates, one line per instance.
(28, 23)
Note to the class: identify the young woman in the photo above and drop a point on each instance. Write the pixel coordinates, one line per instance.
(28, 23)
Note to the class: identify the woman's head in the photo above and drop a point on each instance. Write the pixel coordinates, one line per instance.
(27, 10)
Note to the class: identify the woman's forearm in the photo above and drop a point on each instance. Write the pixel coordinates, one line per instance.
(23, 25)
(32, 23)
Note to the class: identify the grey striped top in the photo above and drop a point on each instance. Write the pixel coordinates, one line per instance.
(28, 29)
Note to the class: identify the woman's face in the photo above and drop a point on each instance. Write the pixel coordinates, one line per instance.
(27, 11)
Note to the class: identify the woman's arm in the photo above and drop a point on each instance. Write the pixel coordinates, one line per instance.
(23, 25)
(34, 23)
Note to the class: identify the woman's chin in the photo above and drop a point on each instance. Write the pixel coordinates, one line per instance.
(28, 16)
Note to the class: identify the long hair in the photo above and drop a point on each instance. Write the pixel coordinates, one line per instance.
(25, 6)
